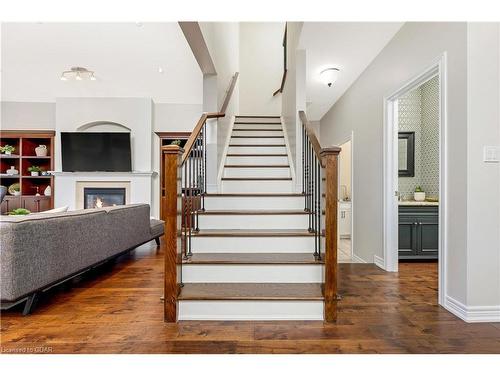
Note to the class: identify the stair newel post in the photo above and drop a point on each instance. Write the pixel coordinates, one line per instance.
(329, 158)
(172, 208)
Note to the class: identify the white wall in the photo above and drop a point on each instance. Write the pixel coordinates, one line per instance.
(360, 110)
(261, 67)
(293, 98)
(345, 168)
(223, 42)
(483, 179)
(28, 115)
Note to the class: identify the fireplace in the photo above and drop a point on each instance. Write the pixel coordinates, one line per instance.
(97, 197)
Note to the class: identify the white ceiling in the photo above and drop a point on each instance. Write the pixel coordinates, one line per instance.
(349, 46)
(126, 58)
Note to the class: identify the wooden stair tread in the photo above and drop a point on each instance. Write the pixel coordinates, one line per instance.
(257, 166)
(252, 291)
(256, 145)
(253, 212)
(258, 136)
(256, 178)
(255, 116)
(256, 123)
(253, 258)
(253, 233)
(254, 195)
(281, 155)
(257, 130)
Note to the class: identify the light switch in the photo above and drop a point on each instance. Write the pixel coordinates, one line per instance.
(491, 154)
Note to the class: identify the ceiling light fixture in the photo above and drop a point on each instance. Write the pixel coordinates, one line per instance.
(78, 73)
(329, 76)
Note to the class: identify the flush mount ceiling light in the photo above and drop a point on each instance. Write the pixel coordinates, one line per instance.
(329, 76)
(78, 73)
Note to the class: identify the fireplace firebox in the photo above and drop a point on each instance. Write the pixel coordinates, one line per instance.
(103, 197)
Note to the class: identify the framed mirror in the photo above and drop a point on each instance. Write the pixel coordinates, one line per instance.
(406, 154)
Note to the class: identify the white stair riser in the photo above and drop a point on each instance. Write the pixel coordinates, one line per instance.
(240, 273)
(251, 310)
(253, 221)
(254, 203)
(257, 126)
(257, 141)
(257, 150)
(256, 160)
(257, 133)
(258, 186)
(252, 244)
(257, 172)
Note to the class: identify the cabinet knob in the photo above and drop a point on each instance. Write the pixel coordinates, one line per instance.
(415, 223)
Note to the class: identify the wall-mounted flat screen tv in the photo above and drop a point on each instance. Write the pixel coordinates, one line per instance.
(96, 152)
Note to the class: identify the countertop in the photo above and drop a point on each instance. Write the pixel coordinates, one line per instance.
(415, 203)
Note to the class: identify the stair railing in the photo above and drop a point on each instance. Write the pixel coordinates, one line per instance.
(320, 180)
(185, 181)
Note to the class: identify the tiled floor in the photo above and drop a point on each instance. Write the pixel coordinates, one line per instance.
(344, 251)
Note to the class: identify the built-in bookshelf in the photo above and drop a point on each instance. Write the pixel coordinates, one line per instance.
(32, 188)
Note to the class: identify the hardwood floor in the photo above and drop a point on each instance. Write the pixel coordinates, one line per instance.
(117, 309)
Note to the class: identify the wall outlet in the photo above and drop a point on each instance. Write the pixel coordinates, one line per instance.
(491, 154)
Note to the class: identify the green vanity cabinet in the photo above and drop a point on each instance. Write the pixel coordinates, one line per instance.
(418, 232)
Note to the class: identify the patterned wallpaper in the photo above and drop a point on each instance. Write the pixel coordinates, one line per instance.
(418, 111)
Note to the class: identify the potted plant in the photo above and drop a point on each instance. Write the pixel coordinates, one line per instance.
(20, 211)
(15, 189)
(176, 142)
(35, 170)
(7, 149)
(419, 194)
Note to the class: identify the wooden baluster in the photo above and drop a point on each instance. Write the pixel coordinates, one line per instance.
(329, 158)
(172, 210)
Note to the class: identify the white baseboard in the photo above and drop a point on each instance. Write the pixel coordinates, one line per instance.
(472, 314)
(357, 259)
(379, 262)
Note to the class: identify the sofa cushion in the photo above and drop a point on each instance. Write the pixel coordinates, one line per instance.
(157, 227)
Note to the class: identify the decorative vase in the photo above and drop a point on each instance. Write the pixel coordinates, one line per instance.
(48, 191)
(8, 152)
(419, 196)
(34, 174)
(12, 171)
(41, 150)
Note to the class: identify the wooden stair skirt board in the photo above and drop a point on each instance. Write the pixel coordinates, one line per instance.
(251, 301)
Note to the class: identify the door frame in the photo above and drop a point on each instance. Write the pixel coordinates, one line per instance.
(351, 139)
(390, 230)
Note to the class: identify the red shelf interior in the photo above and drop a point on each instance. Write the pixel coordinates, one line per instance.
(29, 145)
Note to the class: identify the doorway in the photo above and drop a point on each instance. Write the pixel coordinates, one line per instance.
(414, 172)
(345, 209)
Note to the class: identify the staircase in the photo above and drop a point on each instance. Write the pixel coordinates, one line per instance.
(253, 254)
(256, 250)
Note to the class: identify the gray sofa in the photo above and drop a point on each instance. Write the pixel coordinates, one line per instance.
(40, 250)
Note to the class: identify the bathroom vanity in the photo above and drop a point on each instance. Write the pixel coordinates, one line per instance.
(418, 230)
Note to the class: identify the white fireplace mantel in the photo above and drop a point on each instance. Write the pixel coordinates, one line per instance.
(100, 174)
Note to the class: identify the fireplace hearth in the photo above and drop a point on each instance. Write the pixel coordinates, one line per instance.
(103, 197)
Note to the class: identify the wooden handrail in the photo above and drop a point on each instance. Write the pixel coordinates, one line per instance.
(205, 116)
(310, 133)
(285, 65)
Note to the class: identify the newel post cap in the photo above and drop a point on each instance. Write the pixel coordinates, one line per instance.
(332, 150)
(172, 149)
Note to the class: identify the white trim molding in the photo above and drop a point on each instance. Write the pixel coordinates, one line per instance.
(472, 314)
(379, 262)
(390, 206)
(217, 187)
(290, 160)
